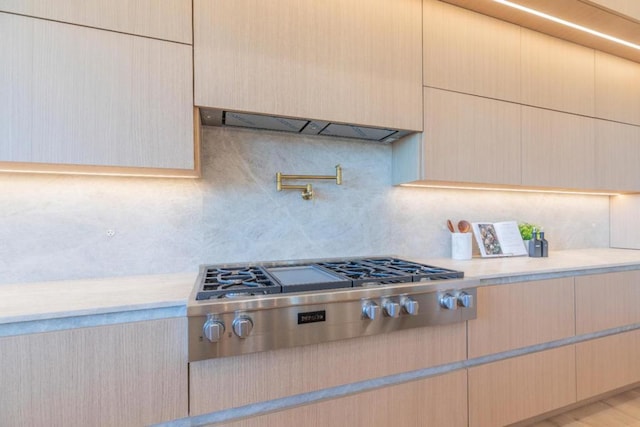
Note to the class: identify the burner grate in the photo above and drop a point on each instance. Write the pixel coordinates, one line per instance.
(235, 282)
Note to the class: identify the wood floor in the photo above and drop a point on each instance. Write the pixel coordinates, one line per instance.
(619, 410)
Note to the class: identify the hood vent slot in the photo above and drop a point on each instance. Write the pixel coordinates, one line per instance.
(301, 126)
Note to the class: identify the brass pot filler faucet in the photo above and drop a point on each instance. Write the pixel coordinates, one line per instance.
(307, 190)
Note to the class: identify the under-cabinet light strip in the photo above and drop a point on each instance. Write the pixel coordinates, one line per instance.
(513, 190)
(568, 24)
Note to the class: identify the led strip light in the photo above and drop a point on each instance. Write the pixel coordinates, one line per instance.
(568, 24)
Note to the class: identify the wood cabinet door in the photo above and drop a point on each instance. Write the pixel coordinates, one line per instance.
(521, 314)
(470, 139)
(129, 374)
(77, 96)
(435, 401)
(605, 301)
(558, 149)
(471, 53)
(352, 61)
(617, 156)
(557, 74)
(166, 20)
(617, 89)
(511, 390)
(607, 363)
(629, 8)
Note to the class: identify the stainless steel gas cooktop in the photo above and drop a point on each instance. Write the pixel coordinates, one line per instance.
(245, 308)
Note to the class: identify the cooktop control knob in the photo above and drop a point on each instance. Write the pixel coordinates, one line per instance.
(370, 310)
(213, 329)
(391, 309)
(242, 326)
(410, 306)
(449, 302)
(465, 299)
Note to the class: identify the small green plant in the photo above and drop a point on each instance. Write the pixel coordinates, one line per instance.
(526, 230)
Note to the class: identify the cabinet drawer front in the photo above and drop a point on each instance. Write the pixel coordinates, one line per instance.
(520, 315)
(122, 375)
(437, 401)
(227, 382)
(605, 301)
(511, 390)
(607, 363)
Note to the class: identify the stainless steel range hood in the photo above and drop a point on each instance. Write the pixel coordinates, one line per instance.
(214, 117)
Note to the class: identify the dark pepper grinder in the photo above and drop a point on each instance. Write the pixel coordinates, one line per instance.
(544, 245)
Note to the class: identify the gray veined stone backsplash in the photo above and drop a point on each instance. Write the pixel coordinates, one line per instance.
(54, 227)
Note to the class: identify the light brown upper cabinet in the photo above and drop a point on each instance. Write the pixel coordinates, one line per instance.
(169, 21)
(617, 156)
(558, 149)
(352, 61)
(630, 8)
(471, 53)
(617, 91)
(81, 99)
(467, 139)
(557, 74)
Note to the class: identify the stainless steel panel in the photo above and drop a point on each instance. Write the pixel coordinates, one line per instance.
(313, 322)
(258, 121)
(360, 132)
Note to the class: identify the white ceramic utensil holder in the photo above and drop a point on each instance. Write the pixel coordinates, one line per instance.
(461, 246)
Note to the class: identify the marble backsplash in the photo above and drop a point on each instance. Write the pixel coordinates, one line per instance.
(55, 227)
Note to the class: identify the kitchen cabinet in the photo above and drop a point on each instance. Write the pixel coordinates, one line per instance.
(584, 12)
(470, 53)
(467, 139)
(521, 314)
(607, 363)
(605, 301)
(515, 389)
(355, 61)
(558, 149)
(171, 21)
(128, 374)
(624, 214)
(435, 401)
(78, 99)
(557, 74)
(227, 382)
(617, 85)
(617, 156)
(630, 8)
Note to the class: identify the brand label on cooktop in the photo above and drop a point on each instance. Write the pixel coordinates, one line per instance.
(312, 317)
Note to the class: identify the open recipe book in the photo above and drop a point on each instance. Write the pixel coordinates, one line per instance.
(499, 239)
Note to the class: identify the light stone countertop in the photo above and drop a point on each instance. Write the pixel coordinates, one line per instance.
(577, 261)
(47, 306)
(26, 302)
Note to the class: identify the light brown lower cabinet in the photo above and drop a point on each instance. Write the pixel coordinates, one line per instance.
(130, 374)
(522, 314)
(432, 402)
(515, 389)
(607, 363)
(229, 382)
